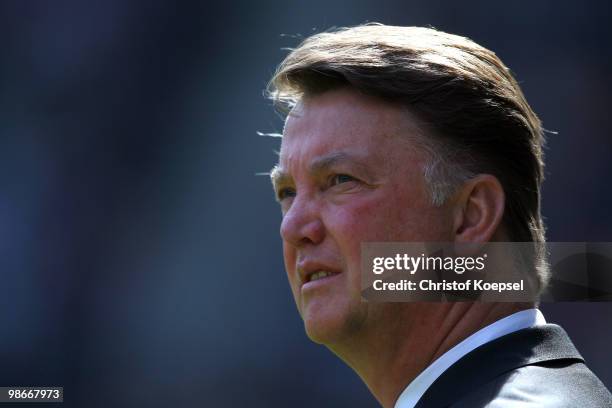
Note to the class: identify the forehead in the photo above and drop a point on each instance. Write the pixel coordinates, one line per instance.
(347, 121)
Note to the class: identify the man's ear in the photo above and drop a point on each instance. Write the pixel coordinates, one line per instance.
(479, 209)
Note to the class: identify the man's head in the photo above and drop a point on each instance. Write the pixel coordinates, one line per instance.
(397, 134)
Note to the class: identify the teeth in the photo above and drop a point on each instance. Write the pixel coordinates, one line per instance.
(319, 275)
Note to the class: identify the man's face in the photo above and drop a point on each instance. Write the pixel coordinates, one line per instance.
(349, 172)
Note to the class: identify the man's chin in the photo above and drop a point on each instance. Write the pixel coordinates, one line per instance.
(322, 333)
(330, 327)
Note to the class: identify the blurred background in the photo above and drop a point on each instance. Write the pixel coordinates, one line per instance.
(140, 258)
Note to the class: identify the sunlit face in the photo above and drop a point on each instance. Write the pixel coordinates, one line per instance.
(348, 173)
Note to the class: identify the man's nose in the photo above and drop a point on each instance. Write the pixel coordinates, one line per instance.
(302, 224)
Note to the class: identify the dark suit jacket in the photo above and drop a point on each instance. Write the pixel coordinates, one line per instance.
(534, 367)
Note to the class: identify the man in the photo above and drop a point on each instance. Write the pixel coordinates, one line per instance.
(406, 134)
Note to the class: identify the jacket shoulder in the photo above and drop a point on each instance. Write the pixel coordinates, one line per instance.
(533, 367)
(557, 384)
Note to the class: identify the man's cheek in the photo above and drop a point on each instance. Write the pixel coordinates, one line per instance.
(357, 213)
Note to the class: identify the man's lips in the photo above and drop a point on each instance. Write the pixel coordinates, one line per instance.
(310, 271)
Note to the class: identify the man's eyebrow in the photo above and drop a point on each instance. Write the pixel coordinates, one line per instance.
(325, 162)
(279, 176)
(319, 165)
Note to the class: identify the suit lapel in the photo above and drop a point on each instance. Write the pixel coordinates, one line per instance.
(524, 347)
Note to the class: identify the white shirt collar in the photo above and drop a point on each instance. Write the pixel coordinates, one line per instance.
(517, 321)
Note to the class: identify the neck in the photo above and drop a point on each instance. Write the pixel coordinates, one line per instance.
(396, 350)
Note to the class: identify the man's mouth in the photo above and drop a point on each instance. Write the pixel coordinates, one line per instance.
(311, 271)
(319, 275)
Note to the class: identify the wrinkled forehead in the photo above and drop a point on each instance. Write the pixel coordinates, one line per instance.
(345, 120)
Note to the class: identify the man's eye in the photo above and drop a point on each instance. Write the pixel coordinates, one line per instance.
(341, 178)
(285, 192)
